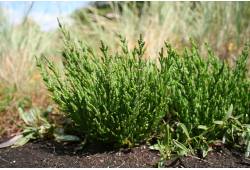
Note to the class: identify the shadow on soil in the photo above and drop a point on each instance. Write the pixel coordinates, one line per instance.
(74, 148)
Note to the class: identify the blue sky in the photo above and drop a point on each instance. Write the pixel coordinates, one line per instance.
(45, 13)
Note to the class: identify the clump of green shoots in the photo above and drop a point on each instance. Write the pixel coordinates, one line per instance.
(209, 101)
(188, 101)
(114, 98)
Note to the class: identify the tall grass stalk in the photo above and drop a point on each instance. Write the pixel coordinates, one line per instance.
(20, 82)
(223, 24)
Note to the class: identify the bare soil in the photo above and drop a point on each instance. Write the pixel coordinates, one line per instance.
(38, 154)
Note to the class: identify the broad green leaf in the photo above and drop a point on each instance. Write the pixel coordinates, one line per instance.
(202, 127)
(183, 149)
(247, 153)
(23, 140)
(218, 122)
(66, 138)
(155, 147)
(184, 128)
(229, 112)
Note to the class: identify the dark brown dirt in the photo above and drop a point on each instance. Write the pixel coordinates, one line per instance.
(50, 154)
(223, 158)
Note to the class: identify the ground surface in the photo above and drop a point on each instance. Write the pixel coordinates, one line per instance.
(51, 154)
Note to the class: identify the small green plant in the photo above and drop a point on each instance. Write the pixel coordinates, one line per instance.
(123, 99)
(165, 145)
(202, 92)
(37, 125)
(209, 103)
(118, 99)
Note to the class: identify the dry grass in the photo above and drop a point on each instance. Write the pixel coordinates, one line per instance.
(19, 47)
(224, 25)
(20, 81)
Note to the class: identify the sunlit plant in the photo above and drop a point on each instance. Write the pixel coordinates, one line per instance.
(114, 98)
(184, 99)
